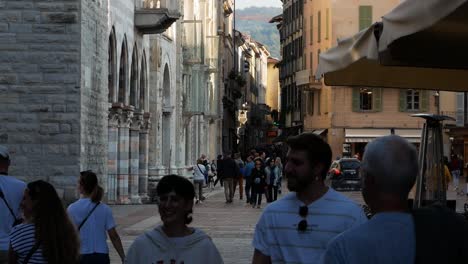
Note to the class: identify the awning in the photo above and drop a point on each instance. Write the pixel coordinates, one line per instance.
(383, 55)
(320, 132)
(364, 135)
(429, 33)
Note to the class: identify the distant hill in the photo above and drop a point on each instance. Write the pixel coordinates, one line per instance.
(254, 22)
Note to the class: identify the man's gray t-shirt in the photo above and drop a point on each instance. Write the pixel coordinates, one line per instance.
(388, 238)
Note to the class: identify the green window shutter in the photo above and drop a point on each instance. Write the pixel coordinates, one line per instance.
(327, 25)
(356, 99)
(319, 29)
(365, 17)
(377, 99)
(402, 100)
(311, 29)
(424, 97)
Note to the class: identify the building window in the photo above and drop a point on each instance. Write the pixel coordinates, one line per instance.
(319, 29)
(365, 17)
(311, 29)
(365, 99)
(412, 100)
(311, 62)
(327, 23)
(310, 103)
(319, 97)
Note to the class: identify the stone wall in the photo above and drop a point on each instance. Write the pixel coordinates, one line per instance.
(40, 88)
(94, 87)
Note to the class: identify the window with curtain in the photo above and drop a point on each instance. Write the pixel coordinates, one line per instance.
(412, 100)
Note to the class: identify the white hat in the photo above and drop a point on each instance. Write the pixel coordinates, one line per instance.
(4, 152)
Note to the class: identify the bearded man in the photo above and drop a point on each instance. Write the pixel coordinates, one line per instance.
(298, 227)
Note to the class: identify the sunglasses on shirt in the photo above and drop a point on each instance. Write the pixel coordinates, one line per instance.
(303, 212)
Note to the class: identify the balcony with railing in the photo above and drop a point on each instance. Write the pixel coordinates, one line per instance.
(155, 16)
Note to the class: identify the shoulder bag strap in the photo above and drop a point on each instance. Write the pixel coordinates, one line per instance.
(31, 252)
(200, 170)
(2, 195)
(90, 212)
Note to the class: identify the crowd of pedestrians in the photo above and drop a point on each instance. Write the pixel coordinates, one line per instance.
(311, 224)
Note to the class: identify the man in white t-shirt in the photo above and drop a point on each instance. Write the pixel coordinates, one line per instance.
(12, 190)
(298, 227)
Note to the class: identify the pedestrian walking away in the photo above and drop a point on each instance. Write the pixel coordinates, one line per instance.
(11, 194)
(199, 172)
(219, 172)
(249, 166)
(239, 180)
(395, 234)
(174, 241)
(47, 235)
(94, 221)
(296, 228)
(230, 170)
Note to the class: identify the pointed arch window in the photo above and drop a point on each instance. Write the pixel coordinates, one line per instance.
(143, 84)
(134, 79)
(112, 68)
(123, 72)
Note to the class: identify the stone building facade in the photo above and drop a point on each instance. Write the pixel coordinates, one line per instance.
(98, 85)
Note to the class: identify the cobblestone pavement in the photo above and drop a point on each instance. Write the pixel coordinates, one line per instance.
(230, 225)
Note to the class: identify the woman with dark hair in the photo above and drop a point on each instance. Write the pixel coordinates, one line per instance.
(174, 241)
(93, 220)
(47, 234)
(258, 182)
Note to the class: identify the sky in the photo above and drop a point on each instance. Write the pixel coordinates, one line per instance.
(240, 4)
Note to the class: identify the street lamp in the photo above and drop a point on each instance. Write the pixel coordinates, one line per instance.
(437, 101)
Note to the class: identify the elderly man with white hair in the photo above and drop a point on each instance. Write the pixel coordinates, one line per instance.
(389, 169)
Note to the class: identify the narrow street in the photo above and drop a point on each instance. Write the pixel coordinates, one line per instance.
(231, 226)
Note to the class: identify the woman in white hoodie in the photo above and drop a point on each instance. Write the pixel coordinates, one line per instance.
(174, 241)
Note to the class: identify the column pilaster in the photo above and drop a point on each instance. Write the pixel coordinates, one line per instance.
(125, 120)
(144, 150)
(134, 158)
(112, 155)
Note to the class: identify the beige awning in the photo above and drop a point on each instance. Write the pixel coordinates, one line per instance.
(358, 60)
(364, 135)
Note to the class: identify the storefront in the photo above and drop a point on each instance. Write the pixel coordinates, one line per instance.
(356, 139)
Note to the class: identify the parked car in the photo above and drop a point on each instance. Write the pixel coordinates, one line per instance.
(344, 174)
